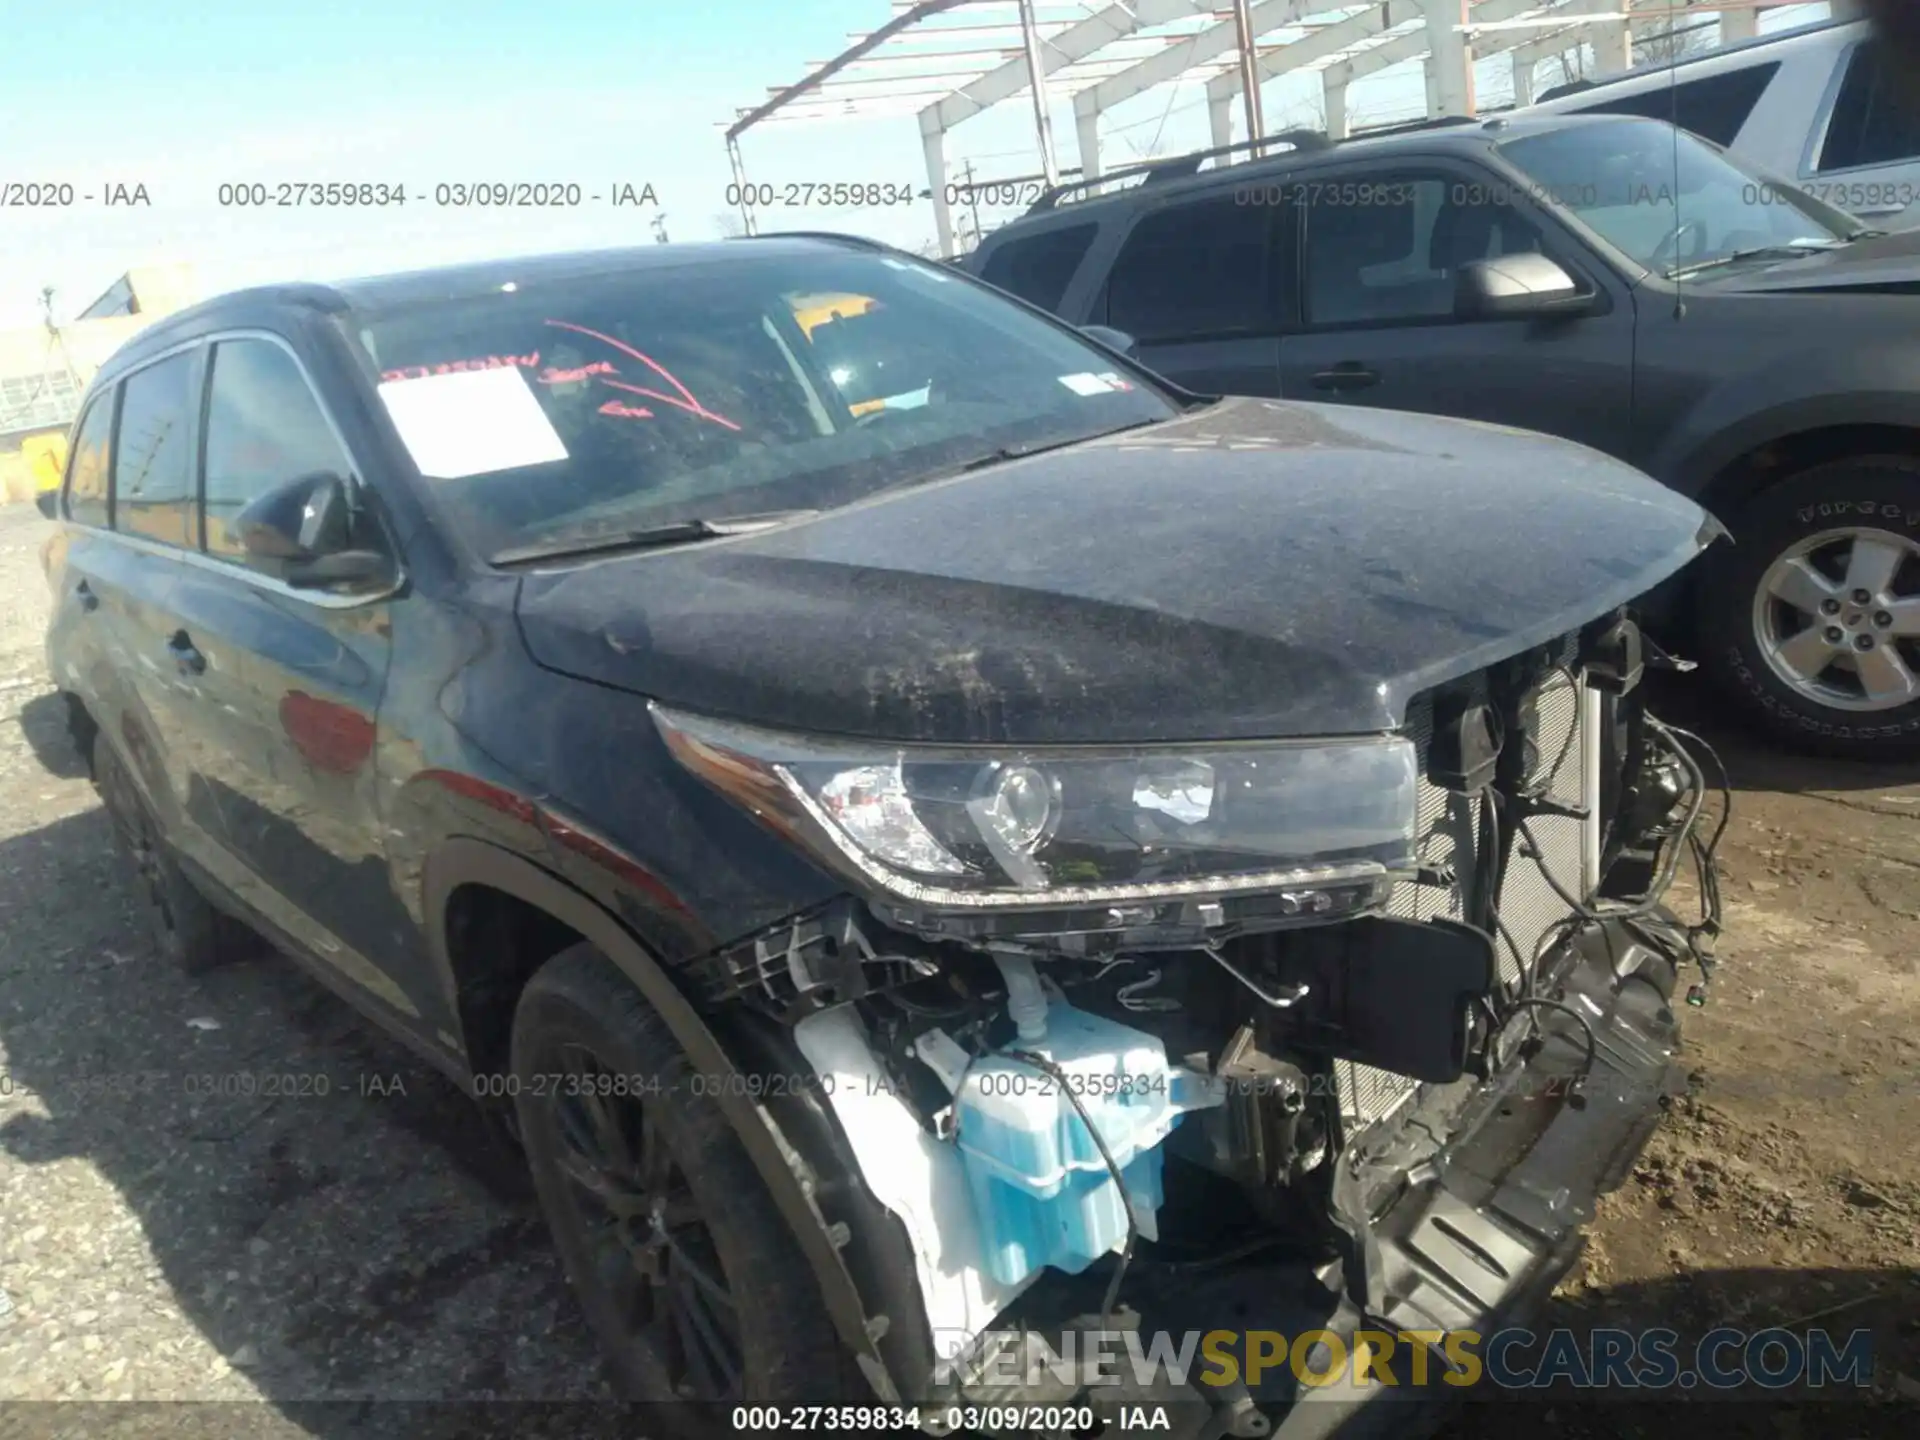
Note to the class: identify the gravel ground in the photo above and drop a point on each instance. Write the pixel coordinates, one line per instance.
(158, 1242)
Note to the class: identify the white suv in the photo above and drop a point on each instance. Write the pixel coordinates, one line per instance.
(1818, 105)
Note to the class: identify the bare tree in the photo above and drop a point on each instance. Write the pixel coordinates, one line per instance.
(728, 224)
(1570, 66)
(1669, 39)
(1672, 38)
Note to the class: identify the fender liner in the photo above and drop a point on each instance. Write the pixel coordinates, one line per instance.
(462, 861)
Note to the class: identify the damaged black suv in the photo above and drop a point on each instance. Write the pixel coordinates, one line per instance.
(932, 840)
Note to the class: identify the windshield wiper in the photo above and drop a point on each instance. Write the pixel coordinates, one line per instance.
(1002, 454)
(1021, 452)
(1791, 250)
(673, 532)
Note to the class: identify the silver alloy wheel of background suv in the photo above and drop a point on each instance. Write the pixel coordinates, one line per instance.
(1837, 618)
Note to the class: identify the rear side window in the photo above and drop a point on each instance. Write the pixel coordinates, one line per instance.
(152, 462)
(1196, 271)
(264, 428)
(1038, 268)
(1875, 121)
(1714, 108)
(87, 470)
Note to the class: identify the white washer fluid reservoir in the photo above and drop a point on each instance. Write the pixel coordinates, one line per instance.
(1042, 1194)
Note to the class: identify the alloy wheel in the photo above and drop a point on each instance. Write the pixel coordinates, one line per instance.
(1837, 618)
(651, 1253)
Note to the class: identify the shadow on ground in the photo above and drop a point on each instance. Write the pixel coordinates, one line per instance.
(1756, 762)
(43, 720)
(318, 1204)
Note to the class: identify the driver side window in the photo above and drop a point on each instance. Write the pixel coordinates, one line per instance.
(264, 428)
(1384, 248)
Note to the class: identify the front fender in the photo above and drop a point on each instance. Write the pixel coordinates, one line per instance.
(1813, 390)
(463, 861)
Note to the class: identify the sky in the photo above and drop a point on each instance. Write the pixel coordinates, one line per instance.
(180, 100)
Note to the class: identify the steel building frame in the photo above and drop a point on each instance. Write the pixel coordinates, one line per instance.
(1099, 55)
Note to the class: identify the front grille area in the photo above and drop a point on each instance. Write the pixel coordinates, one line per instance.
(1448, 825)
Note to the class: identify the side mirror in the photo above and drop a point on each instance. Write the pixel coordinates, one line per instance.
(1514, 286)
(47, 502)
(304, 533)
(1113, 339)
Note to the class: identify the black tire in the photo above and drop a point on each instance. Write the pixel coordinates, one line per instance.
(502, 1165)
(1874, 498)
(185, 927)
(579, 1016)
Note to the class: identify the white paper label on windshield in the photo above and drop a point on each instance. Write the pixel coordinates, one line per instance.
(471, 422)
(1085, 384)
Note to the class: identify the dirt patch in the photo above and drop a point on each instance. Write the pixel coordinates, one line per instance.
(168, 1232)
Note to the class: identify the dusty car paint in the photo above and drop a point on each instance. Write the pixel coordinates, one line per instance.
(1252, 569)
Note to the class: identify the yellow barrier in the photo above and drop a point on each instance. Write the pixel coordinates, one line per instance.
(46, 457)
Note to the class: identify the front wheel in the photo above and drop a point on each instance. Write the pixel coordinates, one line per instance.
(1812, 618)
(679, 1256)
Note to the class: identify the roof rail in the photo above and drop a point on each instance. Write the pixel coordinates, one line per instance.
(1178, 167)
(1407, 127)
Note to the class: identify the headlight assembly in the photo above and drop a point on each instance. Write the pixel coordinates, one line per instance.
(986, 828)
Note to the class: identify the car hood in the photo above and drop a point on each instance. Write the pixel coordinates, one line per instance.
(1879, 263)
(1256, 568)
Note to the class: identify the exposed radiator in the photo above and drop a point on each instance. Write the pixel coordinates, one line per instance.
(1448, 824)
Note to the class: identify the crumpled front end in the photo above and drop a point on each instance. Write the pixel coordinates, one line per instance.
(1370, 1077)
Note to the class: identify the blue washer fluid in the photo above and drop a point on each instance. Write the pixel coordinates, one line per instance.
(1041, 1193)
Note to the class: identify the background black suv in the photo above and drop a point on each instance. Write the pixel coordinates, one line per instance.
(1605, 279)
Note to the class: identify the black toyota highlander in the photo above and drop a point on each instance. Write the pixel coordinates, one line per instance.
(924, 834)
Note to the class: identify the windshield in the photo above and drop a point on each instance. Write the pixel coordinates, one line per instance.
(1669, 199)
(764, 379)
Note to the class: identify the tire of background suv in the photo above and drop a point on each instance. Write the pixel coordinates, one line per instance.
(184, 926)
(581, 1029)
(1814, 518)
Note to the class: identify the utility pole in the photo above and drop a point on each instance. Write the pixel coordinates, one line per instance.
(973, 201)
(54, 335)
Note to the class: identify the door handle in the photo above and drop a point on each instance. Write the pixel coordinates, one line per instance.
(190, 660)
(1348, 375)
(83, 592)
